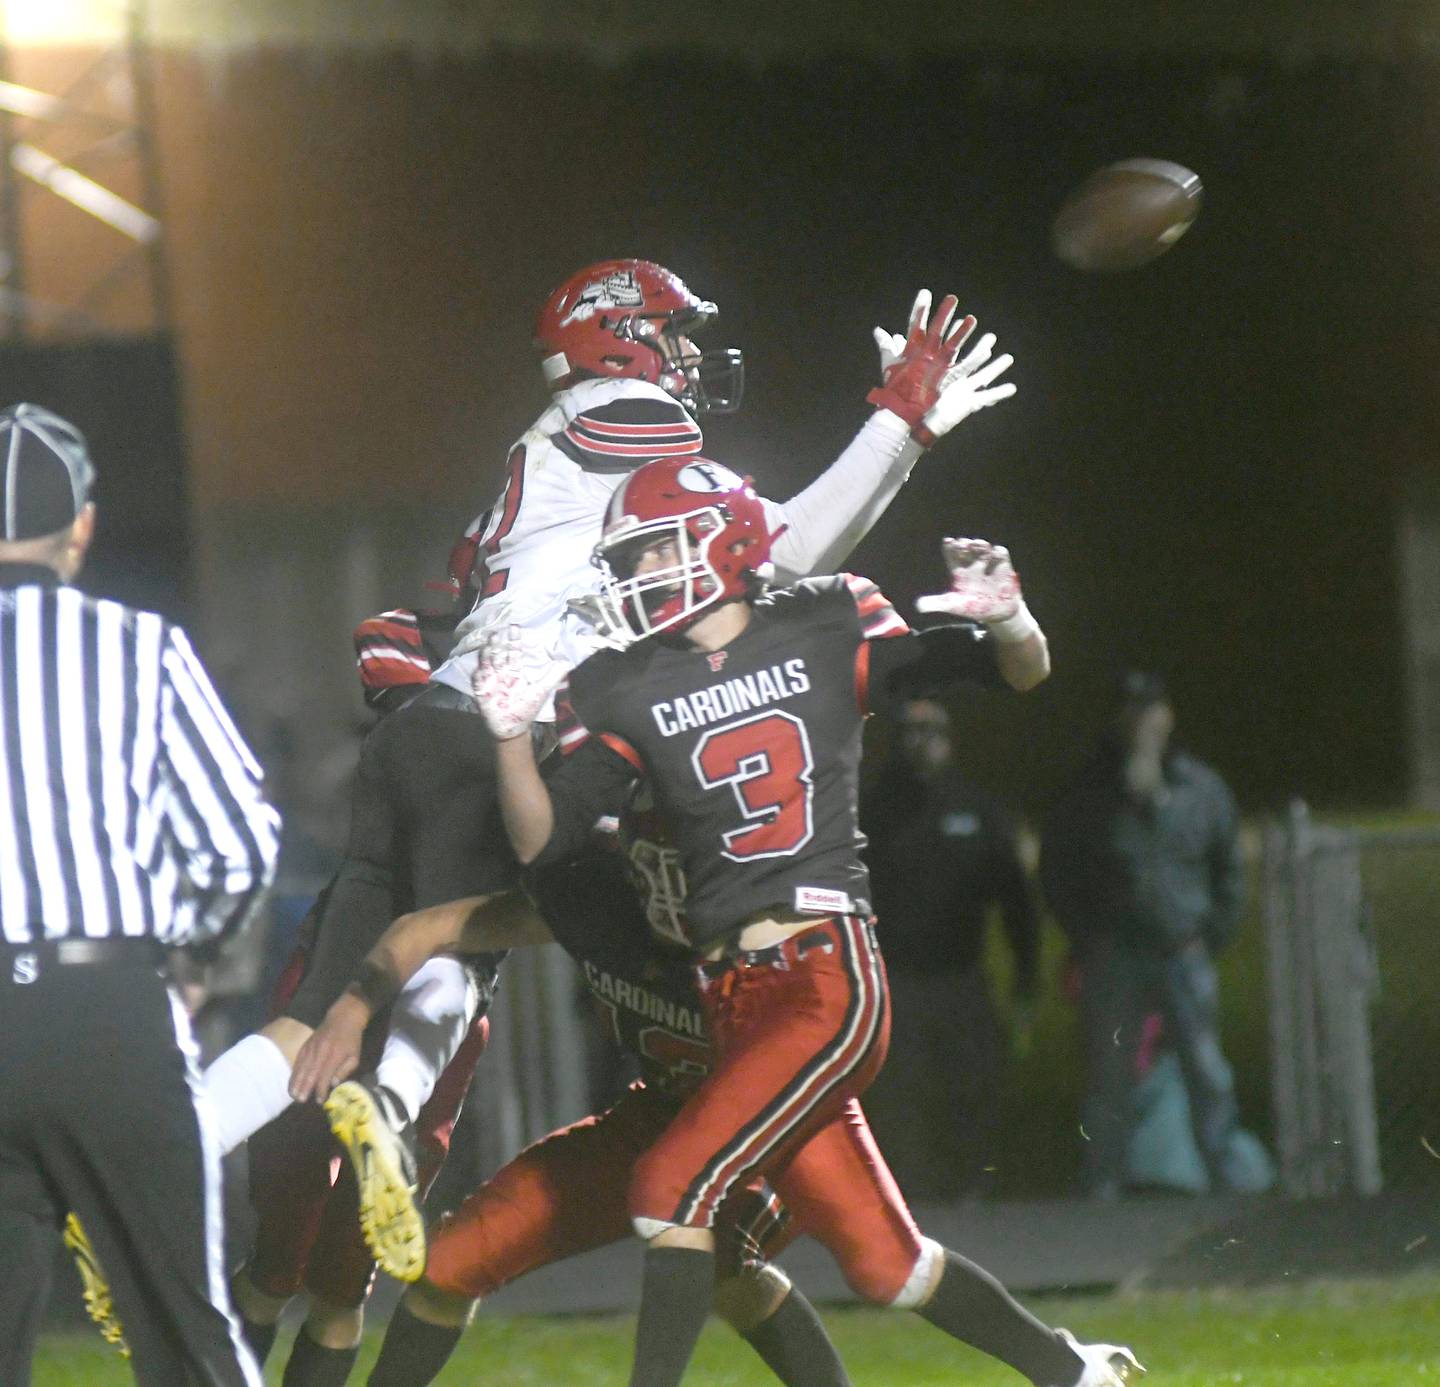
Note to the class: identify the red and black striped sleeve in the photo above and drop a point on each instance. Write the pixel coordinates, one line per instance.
(893, 662)
(620, 435)
(390, 654)
(878, 618)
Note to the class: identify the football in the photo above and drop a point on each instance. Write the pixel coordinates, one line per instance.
(1125, 215)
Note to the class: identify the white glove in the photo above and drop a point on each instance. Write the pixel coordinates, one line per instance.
(965, 388)
(607, 628)
(515, 674)
(891, 345)
(984, 587)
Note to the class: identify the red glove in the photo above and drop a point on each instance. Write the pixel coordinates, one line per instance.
(913, 381)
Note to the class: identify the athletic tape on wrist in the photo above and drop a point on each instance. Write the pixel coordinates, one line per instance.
(1014, 629)
(374, 986)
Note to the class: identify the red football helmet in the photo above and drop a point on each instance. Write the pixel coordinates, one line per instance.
(721, 538)
(627, 318)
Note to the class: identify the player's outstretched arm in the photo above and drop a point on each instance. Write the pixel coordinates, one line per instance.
(513, 679)
(984, 587)
(927, 390)
(474, 924)
(524, 801)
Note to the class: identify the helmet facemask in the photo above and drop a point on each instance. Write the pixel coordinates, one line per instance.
(711, 381)
(668, 598)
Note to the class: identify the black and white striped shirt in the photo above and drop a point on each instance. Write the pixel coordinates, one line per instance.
(129, 804)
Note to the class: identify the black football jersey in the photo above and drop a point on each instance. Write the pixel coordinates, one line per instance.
(645, 988)
(752, 752)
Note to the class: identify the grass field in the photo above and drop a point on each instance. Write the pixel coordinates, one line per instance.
(1343, 1334)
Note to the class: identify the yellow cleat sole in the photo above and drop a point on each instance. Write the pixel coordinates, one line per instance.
(98, 1303)
(393, 1227)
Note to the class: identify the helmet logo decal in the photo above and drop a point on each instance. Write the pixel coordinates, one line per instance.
(617, 290)
(708, 477)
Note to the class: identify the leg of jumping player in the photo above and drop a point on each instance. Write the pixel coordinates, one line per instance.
(292, 1170)
(339, 1271)
(249, 1085)
(562, 1196)
(759, 1301)
(839, 1190)
(559, 1197)
(437, 758)
(798, 1030)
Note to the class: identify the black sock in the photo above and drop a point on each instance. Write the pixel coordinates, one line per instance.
(796, 1347)
(414, 1351)
(678, 1285)
(314, 1365)
(971, 1305)
(260, 1337)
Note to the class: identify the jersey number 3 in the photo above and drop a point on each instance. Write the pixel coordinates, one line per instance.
(767, 763)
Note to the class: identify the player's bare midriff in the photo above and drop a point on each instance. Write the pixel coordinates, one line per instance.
(765, 927)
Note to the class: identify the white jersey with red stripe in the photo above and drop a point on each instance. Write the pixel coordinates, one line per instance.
(535, 553)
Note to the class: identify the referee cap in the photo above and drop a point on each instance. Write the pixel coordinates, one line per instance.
(47, 472)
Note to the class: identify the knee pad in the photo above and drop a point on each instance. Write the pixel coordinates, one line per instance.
(892, 1284)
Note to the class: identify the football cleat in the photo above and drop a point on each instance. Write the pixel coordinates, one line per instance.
(1106, 1365)
(98, 1303)
(369, 1123)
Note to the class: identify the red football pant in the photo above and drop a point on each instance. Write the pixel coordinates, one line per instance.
(798, 1032)
(566, 1194)
(308, 1220)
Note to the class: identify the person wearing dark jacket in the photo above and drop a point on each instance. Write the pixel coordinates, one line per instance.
(1140, 863)
(943, 856)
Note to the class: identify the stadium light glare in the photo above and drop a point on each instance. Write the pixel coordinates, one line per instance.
(26, 101)
(84, 193)
(42, 23)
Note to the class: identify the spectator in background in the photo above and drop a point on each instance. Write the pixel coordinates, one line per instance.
(941, 855)
(1140, 862)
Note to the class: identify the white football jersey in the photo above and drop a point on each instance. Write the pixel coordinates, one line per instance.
(543, 528)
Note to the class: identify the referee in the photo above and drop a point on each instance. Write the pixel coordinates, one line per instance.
(131, 819)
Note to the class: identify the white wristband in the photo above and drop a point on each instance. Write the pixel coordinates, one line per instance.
(1011, 630)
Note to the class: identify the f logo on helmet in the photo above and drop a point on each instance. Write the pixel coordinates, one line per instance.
(708, 477)
(616, 290)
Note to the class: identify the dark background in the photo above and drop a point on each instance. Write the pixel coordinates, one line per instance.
(1198, 472)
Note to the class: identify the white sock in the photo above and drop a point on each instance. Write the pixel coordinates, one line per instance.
(429, 1020)
(248, 1086)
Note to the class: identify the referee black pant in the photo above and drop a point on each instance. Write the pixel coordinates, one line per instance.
(100, 1113)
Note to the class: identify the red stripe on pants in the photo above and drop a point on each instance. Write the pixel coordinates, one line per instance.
(793, 1043)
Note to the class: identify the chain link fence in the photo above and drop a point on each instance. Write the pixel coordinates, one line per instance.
(1352, 931)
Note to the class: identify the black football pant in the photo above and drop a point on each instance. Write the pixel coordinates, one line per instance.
(99, 1114)
(425, 828)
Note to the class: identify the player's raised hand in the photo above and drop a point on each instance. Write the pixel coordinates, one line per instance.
(913, 368)
(515, 674)
(984, 586)
(969, 385)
